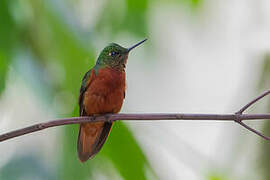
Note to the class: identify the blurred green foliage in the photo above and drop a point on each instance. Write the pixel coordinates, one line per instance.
(215, 177)
(264, 158)
(7, 41)
(28, 167)
(122, 148)
(46, 31)
(129, 17)
(52, 40)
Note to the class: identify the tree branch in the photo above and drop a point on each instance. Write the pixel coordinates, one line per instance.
(237, 117)
(253, 102)
(240, 112)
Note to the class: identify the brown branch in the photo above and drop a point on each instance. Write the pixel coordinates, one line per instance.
(254, 130)
(253, 102)
(237, 117)
(239, 121)
(115, 117)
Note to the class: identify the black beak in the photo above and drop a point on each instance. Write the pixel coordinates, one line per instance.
(132, 47)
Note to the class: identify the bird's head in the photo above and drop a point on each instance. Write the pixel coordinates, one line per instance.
(115, 56)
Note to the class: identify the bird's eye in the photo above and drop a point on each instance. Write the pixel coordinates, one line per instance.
(113, 53)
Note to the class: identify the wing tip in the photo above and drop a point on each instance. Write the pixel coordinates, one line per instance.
(84, 157)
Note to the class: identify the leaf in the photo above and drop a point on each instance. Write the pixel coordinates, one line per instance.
(129, 16)
(216, 177)
(7, 35)
(3, 71)
(125, 153)
(192, 4)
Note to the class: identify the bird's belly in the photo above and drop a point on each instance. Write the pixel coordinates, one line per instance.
(101, 102)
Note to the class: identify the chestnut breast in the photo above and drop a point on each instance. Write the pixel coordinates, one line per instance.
(106, 92)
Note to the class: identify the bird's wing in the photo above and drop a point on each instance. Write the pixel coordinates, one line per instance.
(89, 145)
(86, 81)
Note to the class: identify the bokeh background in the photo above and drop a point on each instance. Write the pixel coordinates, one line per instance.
(202, 56)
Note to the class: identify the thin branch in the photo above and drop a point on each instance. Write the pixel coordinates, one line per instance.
(237, 117)
(115, 117)
(239, 121)
(253, 102)
(254, 130)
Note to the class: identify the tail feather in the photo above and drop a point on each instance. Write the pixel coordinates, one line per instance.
(91, 138)
(103, 136)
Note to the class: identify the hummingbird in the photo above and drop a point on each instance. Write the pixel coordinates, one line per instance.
(102, 92)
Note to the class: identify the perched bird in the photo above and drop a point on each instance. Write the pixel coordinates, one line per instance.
(102, 92)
